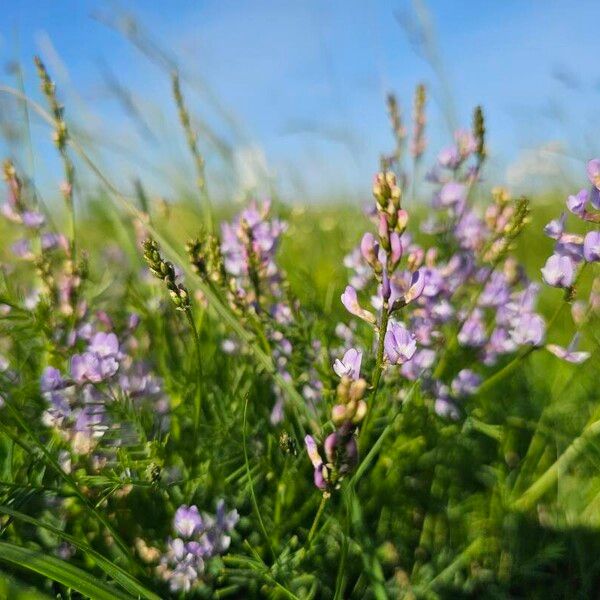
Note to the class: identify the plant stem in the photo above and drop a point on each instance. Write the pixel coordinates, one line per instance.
(385, 316)
(550, 477)
(315, 524)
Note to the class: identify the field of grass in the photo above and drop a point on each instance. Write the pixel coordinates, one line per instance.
(166, 384)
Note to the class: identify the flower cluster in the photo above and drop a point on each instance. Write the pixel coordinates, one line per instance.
(463, 293)
(258, 292)
(79, 402)
(340, 448)
(572, 252)
(200, 537)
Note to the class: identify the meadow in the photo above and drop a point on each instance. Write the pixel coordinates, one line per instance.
(204, 400)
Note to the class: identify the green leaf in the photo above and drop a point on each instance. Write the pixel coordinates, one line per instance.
(115, 572)
(60, 571)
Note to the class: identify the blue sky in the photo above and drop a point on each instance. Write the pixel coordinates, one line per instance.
(297, 89)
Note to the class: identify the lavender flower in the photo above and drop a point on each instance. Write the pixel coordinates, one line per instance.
(350, 301)
(465, 383)
(320, 470)
(569, 353)
(591, 246)
(472, 332)
(400, 345)
(529, 329)
(187, 521)
(349, 366)
(593, 172)
(204, 537)
(556, 227)
(559, 271)
(443, 404)
(453, 194)
(577, 203)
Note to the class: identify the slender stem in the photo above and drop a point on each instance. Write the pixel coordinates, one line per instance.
(251, 484)
(385, 315)
(550, 477)
(198, 370)
(190, 134)
(315, 524)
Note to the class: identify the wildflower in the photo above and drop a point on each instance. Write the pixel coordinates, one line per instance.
(443, 404)
(350, 301)
(591, 246)
(417, 285)
(472, 332)
(556, 227)
(91, 367)
(187, 521)
(593, 172)
(570, 353)
(349, 365)
(369, 249)
(202, 538)
(321, 473)
(422, 360)
(577, 203)
(465, 383)
(529, 329)
(559, 271)
(400, 345)
(453, 194)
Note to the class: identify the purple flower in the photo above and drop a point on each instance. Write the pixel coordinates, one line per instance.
(22, 249)
(453, 194)
(593, 172)
(576, 203)
(571, 245)
(33, 219)
(320, 470)
(559, 271)
(400, 345)
(569, 353)
(529, 329)
(591, 246)
(470, 231)
(181, 566)
(187, 521)
(349, 366)
(465, 383)
(496, 291)
(472, 332)
(369, 248)
(104, 344)
(91, 367)
(449, 157)
(350, 301)
(556, 227)
(417, 285)
(421, 361)
(443, 405)
(51, 380)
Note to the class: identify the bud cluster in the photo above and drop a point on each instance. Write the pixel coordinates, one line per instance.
(163, 269)
(418, 141)
(205, 256)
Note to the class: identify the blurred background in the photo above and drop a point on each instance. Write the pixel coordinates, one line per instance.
(291, 95)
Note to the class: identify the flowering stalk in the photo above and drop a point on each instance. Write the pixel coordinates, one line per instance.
(192, 142)
(61, 139)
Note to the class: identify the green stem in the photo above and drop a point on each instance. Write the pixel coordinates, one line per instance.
(385, 316)
(315, 524)
(251, 484)
(551, 476)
